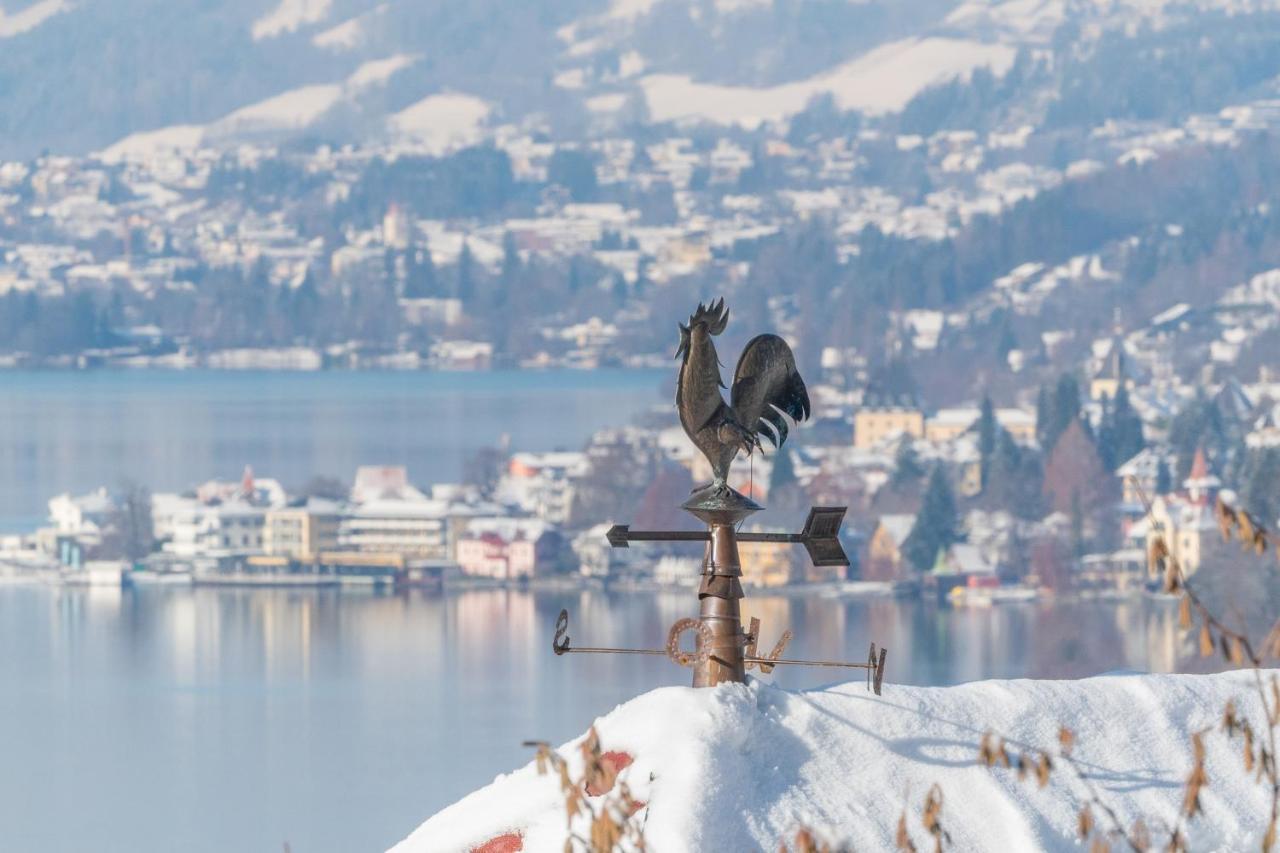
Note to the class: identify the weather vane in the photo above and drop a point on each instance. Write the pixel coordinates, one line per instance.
(767, 391)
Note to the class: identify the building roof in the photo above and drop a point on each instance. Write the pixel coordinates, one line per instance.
(897, 526)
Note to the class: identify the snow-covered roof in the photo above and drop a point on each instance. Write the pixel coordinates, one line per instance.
(898, 526)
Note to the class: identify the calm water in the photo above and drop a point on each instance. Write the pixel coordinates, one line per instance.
(220, 720)
(75, 431)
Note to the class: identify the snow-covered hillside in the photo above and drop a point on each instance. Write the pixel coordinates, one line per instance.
(741, 767)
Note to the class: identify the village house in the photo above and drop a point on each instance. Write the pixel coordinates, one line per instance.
(885, 560)
(878, 420)
(1185, 520)
(303, 531)
(509, 549)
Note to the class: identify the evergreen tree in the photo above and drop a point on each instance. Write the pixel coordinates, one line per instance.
(466, 274)
(575, 275)
(575, 171)
(1007, 342)
(906, 463)
(1196, 424)
(420, 280)
(1078, 546)
(783, 472)
(510, 259)
(1044, 413)
(988, 429)
(1164, 480)
(1120, 438)
(937, 525)
(1261, 492)
(1014, 483)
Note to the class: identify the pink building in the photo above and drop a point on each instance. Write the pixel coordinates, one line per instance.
(490, 555)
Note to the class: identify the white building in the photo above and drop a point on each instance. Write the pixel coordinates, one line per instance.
(82, 517)
(542, 483)
(399, 525)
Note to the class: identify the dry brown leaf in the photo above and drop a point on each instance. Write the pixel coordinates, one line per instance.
(1100, 845)
(1066, 739)
(1084, 823)
(1206, 641)
(1191, 802)
(1156, 552)
(903, 838)
(1245, 522)
(933, 809)
(1140, 836)
(986, 752)
(1237, 651)
(1269, 840)
(1226, 519)
(1043, 767)
(1248, 748)
(1184, 612)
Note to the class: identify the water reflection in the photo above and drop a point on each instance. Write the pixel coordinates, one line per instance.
(213, 719)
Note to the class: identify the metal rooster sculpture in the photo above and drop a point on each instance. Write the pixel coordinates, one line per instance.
(766, 386)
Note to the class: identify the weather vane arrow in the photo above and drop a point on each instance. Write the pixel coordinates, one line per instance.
(820, 536)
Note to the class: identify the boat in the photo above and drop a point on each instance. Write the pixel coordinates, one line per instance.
(152, 577)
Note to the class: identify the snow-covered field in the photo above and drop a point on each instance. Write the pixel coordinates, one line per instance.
(289, 16)
(741, 767)
(25, 20)
(883, 80)
(441, 122)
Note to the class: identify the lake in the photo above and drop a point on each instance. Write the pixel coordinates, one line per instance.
(215, 720)
(171, 430)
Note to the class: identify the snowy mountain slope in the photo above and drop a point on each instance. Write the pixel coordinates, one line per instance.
(23, 20)
(741, 767)
(289, 16)
(139, 66)
(883, 80)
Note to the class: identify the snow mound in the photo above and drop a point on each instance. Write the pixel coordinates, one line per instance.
(25, 20)
(740, 767)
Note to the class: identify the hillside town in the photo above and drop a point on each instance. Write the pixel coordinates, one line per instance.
(1061, 494)
(391, 254)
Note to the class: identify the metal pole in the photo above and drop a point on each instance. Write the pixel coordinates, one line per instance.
(720, 591)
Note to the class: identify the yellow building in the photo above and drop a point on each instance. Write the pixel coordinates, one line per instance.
(884, 549)
(873, 424)
(765, 564)
(949, 424)
(301, 531)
